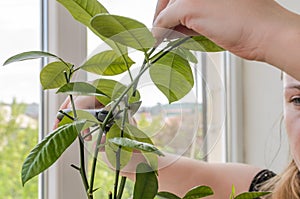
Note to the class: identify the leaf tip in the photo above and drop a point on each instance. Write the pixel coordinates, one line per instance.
(6, 62)
(24, 180)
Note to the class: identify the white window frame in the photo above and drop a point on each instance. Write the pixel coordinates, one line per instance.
(60, 181)
(234, 116)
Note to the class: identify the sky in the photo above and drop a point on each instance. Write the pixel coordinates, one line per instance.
(19, 31)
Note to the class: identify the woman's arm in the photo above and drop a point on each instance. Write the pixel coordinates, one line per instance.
(179, 174)
(185, 173)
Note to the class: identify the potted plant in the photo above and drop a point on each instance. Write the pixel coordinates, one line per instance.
(170, 71)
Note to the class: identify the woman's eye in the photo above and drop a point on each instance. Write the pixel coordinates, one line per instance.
(296, 100)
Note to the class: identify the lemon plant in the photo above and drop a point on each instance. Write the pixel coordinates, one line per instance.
(169, 67)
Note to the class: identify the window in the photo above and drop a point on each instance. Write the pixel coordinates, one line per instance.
(194, 126)
(19, 96)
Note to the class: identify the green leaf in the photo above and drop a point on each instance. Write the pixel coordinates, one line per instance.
(49, 150)
(167, 195)
(52, 75)
(198, 192)
(83, 11)
(126, 31)
(173, 76)
(134, 107)
(111, 149)
(108, 63)
(201, 43)
(136, 134)
(112, 90)
(80, 88)
(146, 184)
(251, 195)
(133, 144)
(29, 55)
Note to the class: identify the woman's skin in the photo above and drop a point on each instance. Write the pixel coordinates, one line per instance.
(292, 115)
(259, 30)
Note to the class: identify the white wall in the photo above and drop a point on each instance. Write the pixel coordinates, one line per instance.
(262, 102)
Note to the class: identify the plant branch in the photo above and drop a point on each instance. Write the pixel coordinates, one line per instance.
(126, 63)
(81, 142)
(117, 172)
(122, 186)
(82, 168)
(109, 195)
(91, 132)
(95, 158)
(146, 60)
(114, 106)
(168, 50)
(67, 115)
(118, 153)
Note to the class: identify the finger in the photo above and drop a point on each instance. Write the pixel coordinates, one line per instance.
(56, 122)
(161, 4)
(180, 32)
(167, 19)
(65, 104)
(85, 133)
(185, 31)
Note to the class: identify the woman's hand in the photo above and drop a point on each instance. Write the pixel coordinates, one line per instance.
(247, 28)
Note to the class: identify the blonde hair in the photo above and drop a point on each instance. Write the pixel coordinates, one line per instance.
(284, 186)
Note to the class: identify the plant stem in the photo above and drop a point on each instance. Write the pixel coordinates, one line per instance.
(146, 60)
(90, 133)
(131, 78)
(117, 172)
(109, 195)
(118, 153)
(67, 115)
(73, 107)
(95, 158)
(81, 142)
(114, 106)
(82, 168)
(167, 51)
(122, 186)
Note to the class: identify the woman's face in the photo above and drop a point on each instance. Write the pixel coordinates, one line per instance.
(292, 115)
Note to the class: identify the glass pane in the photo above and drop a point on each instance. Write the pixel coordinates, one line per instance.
(19, 96)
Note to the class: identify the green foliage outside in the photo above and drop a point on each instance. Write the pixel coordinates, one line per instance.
(17, 137)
